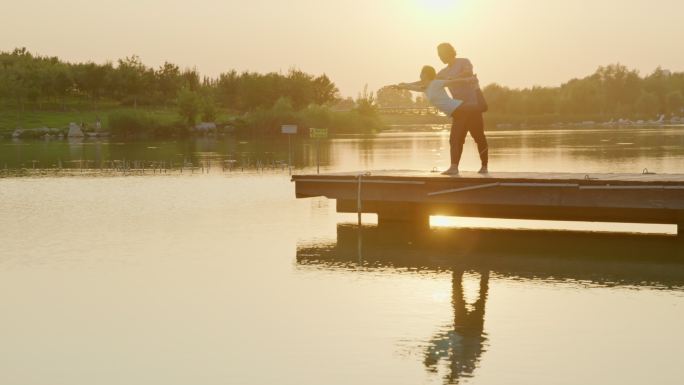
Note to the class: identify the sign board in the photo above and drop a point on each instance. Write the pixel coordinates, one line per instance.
(289, 129)
(318, 133)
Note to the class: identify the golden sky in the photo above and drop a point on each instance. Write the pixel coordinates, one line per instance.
(513, 42)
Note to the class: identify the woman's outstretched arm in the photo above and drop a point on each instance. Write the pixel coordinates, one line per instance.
(415, 86)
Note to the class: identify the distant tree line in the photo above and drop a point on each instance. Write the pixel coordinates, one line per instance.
(40, 82)
(612, 92)
(250, 103)
(26, 78)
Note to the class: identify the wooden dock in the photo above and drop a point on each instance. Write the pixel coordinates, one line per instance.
(412, 196)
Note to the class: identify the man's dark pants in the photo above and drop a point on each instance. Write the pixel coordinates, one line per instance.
(463, 122)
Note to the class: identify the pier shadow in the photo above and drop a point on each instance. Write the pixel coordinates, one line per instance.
(606, 260)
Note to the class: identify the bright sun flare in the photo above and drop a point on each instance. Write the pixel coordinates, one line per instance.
(436, 5)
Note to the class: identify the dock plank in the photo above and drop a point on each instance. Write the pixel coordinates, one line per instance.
(508, 176)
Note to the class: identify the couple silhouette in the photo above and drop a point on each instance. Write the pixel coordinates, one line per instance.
(465, 106)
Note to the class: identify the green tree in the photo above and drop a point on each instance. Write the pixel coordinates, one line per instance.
(209, 112)
(365, 103)
(190, 79)
(658, 84)
(648, 104)
(345, 104)
(297, 88)
(20, 79)
(393, 97)
(324, 90)
(62, 83)
(247, 91)
(618, 86)
(131, 78)
(227, 88)
(675, 102)
(91, 79)
(189, 105)
(168, 81)
(581, 96)
(498, 98)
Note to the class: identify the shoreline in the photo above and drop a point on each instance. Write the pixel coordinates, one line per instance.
(391, 129)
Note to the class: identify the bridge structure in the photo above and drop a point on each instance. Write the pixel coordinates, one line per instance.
(409, 110)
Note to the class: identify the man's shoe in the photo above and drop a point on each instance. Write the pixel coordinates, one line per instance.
(483, 170)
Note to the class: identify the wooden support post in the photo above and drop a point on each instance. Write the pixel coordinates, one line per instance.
(390, 214)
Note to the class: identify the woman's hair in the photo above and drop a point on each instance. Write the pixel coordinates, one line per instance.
(428, 73)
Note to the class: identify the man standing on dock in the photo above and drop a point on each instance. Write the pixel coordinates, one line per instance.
(468, 119)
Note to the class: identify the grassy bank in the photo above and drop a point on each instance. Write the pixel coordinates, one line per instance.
(159, 122)
(9, 120)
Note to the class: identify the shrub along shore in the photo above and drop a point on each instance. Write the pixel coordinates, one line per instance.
(148, 122)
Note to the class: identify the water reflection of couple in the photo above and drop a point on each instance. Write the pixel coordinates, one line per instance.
(456, 350)
(462, 344)
(465, 105)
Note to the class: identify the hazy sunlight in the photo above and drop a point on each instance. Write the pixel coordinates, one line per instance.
(241, 191)
(436, 5)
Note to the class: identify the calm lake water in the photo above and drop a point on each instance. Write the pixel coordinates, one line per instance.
(222, 277)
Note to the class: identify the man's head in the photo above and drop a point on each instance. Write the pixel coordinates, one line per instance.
(446, 52)
(428, 74)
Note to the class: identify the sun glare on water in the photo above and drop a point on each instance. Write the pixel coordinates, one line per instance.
(520, 224)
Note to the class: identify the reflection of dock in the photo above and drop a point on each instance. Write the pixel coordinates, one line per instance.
(598, 258)
(414, 196)
(648, 261)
